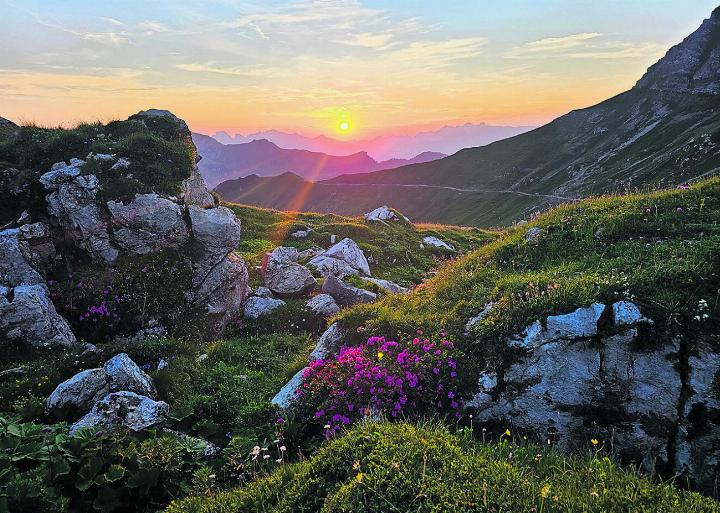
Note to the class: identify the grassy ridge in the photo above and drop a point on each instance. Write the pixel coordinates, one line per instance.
(659, 249)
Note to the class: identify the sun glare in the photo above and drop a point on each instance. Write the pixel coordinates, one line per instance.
(344, 126)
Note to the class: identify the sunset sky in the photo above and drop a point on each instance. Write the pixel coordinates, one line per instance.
(310, 65)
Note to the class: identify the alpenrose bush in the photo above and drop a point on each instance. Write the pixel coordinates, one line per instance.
(381, 377)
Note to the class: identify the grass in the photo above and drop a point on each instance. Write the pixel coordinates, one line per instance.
(394, 249)
(384, 467)
(658, 249)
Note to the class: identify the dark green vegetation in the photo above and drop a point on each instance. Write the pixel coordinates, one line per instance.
(663, 132)
(381, 467)
(223, 397)
(661, 250)
(157, 150)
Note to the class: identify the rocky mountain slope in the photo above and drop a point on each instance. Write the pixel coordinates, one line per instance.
(263, 158)
(662, 132)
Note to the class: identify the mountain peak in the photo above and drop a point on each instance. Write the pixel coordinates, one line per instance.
(692, 66)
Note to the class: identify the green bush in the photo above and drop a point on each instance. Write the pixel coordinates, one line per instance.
(381, 467)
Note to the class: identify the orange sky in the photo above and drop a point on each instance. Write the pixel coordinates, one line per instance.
(306, 65)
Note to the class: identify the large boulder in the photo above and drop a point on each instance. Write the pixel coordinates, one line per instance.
(124, 374)
(345, 294)
(79, 393)
(223, 290)
(28, 316)
(288, 278)
(124, 409)
(343, 259)
(148, 224)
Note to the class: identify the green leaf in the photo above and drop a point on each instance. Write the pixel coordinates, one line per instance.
(114, 473)
(88, 471)
(59, 466)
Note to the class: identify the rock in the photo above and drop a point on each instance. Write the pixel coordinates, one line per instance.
(263, 292)
(479, 317)
(15, 256)
(301, 234)
(162, 364)
(79, 393)
(329, 343)
(344, 258)
(256, 307)
(626, 313)
(437, 243)
(152, 330)
(698, 452)
(333, 238)
(487, 381)
(284, 254)
(322, 305)
(148, 224)
(72, 202)
(100, 156)
(122, 163)
(28, 316)
(59, 174)
(223, 289)
(288, 393)
(195, 191)
(288, 278)
(124, 374)
(388, 286)
(532, 336)
(581, 323)
(308, 253)
(124, 409)
(533, 235)
(215, 230)
(383, 213)
(41, 248)
(344, 294)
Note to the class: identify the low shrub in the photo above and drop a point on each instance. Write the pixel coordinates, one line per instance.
(380, 377)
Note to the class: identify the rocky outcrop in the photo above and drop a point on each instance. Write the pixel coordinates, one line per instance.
(110, 232)
(384, 213)
(124, 409)
(328, 343)
(285, 397)
(85, 388)
(27, 315)
(599, 373)
(322, 305)
(343, 259)
(345, 294)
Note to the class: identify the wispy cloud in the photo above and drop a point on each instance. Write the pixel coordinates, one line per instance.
(584, 45)
(367, 40)
(211, 67)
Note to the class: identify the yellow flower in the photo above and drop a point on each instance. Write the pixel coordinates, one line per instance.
(594, 441)
(380, 355)
(507, 432)
(359, 477)
(545, 491)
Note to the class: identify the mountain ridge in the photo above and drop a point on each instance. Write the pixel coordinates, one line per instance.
(664, 131)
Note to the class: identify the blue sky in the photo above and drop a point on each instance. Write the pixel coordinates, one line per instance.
(302, 65)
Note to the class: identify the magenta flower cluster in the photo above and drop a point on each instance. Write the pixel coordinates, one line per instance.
(382, 377)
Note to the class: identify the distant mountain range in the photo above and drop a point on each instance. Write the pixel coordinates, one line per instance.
(662, 132)
(447, 140)
(221, 162)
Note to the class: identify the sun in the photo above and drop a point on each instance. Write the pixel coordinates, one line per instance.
(344, 126)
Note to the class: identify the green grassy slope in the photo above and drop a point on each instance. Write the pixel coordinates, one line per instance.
(661, 249)
(382, 467)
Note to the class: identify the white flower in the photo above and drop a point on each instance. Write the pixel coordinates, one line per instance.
(283, 448)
